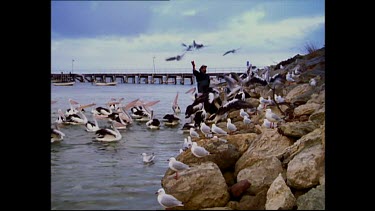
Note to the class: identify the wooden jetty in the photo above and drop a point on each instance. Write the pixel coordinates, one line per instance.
(135, 78)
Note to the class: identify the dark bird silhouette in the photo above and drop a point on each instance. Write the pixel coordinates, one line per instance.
(198, 46)
(231, 51)
(188, 47)
(177, 58)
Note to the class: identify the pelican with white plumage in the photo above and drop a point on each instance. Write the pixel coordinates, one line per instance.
(56, 134)
(92, 126)
(153, 123)
(71, 110)
(108, 134)
(171, 120)
(76, 119)
(175, 107)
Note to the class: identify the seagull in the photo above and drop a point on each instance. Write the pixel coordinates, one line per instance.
(177, 166)
(148, 158)
(231, 51)
(246, 120)
(272, 117)
(186, 145)
(198, 46)
(267, 123)
(167, 200)
(193, 133)
(289, 78)
(199, 151)
(243, 113)
(230, 126)
(217, 130)
(206, 130)
(279, 99)
(177, 58)
(312, 82)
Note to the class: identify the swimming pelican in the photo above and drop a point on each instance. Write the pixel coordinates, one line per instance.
(108, 135)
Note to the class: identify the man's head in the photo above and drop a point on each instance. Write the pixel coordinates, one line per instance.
(203, 68)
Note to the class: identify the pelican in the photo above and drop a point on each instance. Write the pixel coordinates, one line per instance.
(175, 107)
(75, 119)
(153, 123)
(171, 120)
(71, 110)
(56, 134)
(108, 135)
(92, 127)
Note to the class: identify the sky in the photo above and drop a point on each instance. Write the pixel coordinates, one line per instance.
(121, 36)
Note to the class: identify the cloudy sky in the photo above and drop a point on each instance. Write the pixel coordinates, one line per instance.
(112, 36)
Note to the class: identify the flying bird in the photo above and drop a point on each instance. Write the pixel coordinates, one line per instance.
(231, 51)
(177, 58)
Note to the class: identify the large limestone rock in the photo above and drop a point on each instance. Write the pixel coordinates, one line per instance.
(297, 129)
(318, 117)
(242, 141)
(261, 174)
(225, 155)
(306, 109)
(250, 202)
(279, 196)
(306, 168)
(306, 141)
(270, 143)
(202, 186)
(314, 199)
(301, 92)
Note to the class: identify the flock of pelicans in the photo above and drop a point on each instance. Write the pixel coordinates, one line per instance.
(206, 109)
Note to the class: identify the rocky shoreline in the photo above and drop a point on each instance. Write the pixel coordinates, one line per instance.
(260, 168)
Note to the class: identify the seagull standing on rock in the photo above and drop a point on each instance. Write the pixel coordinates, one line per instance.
(177, 166)
(199, 151)
(167, 200)
(272, 117)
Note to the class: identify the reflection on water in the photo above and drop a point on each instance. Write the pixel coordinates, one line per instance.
(91, 175)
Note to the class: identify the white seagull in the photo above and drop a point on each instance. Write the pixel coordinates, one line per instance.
(199, 151)
(167, 200)
(267, 123)
(206, 130)
(246, 121)
(193, 133)
(217, 130)
(312, 82)
(272, 117)
(177, 166)
(230, 126)
(243, 113)
(148, 158)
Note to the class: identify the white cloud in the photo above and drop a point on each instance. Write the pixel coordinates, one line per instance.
(263, 43)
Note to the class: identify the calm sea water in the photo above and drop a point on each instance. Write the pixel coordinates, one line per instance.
(96, 176)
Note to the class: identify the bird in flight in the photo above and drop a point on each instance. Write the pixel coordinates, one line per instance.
(177, 58)
(231, 51)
